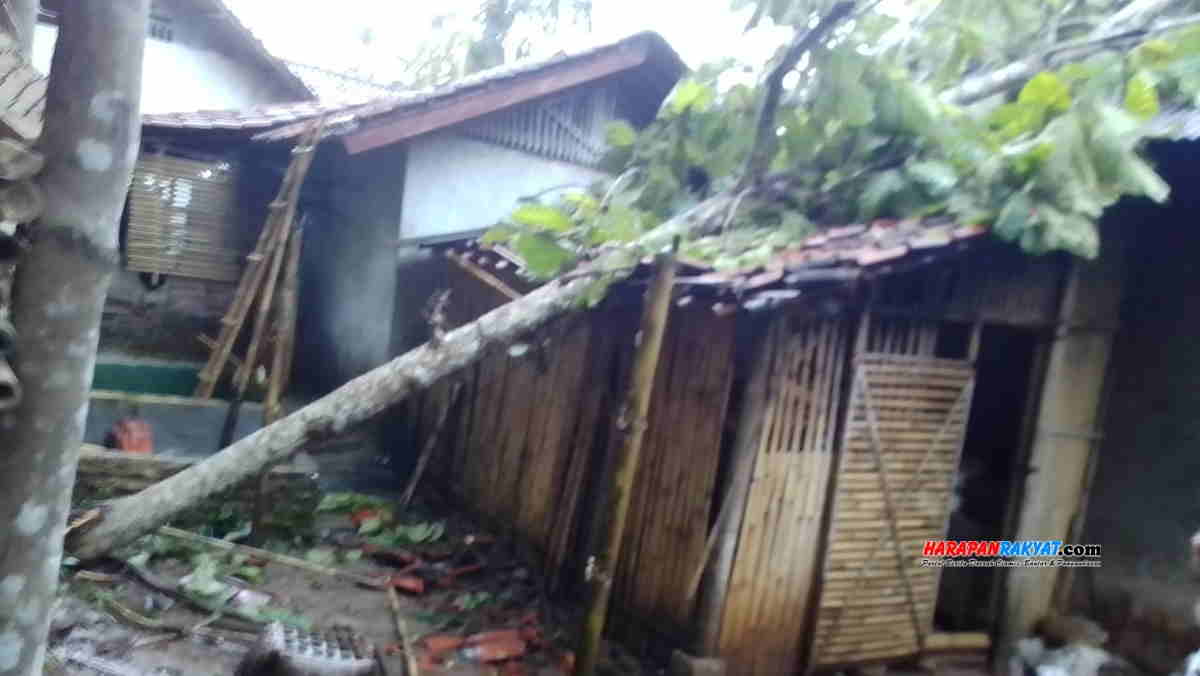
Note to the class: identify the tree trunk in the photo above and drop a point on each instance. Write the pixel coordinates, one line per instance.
(90, 141)
(365, 396)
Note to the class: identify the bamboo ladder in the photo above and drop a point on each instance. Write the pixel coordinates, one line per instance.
(258, 280)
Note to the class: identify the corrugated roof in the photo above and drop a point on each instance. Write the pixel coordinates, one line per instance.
(286, 121)
(834, 256)
(254, 118)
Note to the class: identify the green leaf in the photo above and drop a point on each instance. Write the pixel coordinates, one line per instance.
(251, 574)
(1013, 120)
(1141, 96)
(202, 581)
(619, 223)
(1069, 232)
(322, 556)
(691, 95)
(349, 502)
(542, 217)
(1157, 52)
(881, 188)
(1014, 218)
(1139, 178)
(1046, 90)
(352, 555)
(938, 178)
(499, 234)
(543, 257)
(370, 526)
(620, 134)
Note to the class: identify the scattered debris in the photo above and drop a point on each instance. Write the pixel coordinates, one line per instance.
(1062, 629)
(271, 556)
(285, 651)
(1071, 659)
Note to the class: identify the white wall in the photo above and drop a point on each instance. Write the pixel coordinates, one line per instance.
(182, 77)
(453, 184)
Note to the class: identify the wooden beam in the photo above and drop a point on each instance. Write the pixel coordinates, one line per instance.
(406, 124)
(1070, 402)
(484, 276)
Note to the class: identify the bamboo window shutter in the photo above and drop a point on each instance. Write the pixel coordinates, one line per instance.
(902, 438)
(183, 219)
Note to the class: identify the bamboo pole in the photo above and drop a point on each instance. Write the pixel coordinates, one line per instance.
(430, 445)
(406, 643)
(631, 424)
(281, 363)
(285, 336)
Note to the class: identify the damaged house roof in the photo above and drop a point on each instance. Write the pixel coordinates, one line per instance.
(645, 62)
(833, 256)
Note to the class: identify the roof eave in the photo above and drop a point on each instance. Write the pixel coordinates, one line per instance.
(492, 98)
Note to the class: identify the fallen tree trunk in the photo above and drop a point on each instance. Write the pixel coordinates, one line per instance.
(104, 474)
(367, 395)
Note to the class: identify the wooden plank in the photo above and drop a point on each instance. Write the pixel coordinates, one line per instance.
(395, 127)
(1070, 401)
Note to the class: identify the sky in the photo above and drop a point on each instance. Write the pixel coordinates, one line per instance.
(308, 32)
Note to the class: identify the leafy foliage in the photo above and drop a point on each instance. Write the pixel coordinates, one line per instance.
(414, 534)
(349, 502)
(868, 131)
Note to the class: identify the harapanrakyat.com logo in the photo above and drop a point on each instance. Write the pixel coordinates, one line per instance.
(1008, 554)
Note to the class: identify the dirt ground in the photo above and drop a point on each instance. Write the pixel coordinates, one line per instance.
(88, 638)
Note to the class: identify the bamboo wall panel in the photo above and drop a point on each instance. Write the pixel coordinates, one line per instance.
(183, 219)
(533, 432)
(673, 490)
(771, 585)
(901, 444)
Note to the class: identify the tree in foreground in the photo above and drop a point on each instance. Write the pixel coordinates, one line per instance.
(90, 141)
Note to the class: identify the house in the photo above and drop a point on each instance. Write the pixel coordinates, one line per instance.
(198, 56)
(815, 421)
(391, 174)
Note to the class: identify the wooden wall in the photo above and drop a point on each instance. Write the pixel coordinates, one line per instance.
(531, 435)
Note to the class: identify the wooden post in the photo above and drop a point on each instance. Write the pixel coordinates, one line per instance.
(1066, 426)
(631, 424)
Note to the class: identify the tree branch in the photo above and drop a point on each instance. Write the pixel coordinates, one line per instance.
(981, 87)
(764, 138)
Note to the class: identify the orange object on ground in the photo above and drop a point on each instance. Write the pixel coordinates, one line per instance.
(132, 435)
(408, 583)
(438, 645)
(495, 651)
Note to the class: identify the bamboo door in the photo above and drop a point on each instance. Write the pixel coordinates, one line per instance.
(901, 440)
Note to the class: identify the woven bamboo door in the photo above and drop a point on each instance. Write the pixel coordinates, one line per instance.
(771, 583)
(901, 442)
